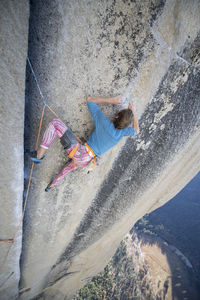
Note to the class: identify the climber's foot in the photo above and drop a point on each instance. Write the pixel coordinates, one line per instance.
(49, 187)
(35, 159)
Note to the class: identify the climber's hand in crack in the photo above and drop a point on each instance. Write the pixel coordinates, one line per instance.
(132, 107)
(135, 121)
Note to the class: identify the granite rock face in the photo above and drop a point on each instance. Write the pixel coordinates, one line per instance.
(13, 51)
(147, 51)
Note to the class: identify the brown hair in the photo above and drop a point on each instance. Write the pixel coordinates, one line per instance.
(123, 118)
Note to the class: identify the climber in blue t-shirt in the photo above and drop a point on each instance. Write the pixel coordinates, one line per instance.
(105, 135)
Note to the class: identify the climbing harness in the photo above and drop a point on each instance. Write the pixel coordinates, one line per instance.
(68, 139)
(94, 162)
(94, 159)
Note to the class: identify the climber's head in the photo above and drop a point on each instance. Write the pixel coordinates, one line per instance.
(123, 118)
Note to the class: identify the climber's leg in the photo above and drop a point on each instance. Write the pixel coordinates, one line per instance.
(55, 128)
(81, 160)
(70, 166)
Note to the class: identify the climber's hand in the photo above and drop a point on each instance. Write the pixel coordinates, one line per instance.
(132, 107)
(135, 121)
(117, 100)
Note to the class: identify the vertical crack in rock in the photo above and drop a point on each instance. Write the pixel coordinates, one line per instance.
(14, 17)
(41, 39)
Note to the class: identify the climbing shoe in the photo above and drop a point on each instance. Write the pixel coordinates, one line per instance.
(49, 187)
(35, 159)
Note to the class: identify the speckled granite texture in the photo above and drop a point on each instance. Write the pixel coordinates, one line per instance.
(145, 50)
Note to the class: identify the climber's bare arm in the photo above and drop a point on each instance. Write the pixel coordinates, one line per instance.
(135, 121)
(100, 100)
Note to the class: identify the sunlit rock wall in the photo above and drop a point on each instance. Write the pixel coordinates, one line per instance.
(13, 50)
(145, 50)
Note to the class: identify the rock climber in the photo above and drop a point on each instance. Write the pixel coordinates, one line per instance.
(105, 135)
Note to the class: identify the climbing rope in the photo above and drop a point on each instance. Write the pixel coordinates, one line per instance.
(42, 97)
(11, 241)
(41, 94)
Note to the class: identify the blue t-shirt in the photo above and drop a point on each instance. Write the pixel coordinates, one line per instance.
(105, 136)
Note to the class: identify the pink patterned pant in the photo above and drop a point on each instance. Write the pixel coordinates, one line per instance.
(81, 159)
